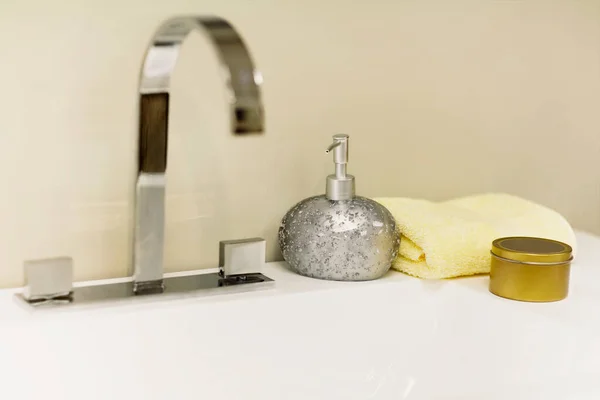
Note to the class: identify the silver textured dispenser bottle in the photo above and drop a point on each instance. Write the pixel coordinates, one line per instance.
(339, 236)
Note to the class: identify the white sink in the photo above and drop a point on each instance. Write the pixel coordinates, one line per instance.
(396, 338)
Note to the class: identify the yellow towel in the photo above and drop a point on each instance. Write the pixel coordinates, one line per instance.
(454, 238)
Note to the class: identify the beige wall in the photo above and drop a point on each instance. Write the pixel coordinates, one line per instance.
(441, 98)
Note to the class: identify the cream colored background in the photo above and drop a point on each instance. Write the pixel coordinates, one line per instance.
(441, 98)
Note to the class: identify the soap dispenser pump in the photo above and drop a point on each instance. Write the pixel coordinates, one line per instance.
(340, 186)
(339, 236)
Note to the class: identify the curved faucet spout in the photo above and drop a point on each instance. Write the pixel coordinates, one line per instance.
(241, 78)
(242, 81)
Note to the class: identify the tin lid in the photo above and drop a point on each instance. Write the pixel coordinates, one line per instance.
(531, 249)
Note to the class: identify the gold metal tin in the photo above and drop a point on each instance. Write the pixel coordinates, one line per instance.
(530, 269)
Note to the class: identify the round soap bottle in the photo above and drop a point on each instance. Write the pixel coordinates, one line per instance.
(339, 236)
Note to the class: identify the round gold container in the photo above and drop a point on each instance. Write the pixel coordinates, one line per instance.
(530, 269)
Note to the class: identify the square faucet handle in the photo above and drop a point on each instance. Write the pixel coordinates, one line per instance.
(49, 278)
(241, 257)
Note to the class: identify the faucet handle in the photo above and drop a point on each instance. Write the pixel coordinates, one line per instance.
(241, 257)
(48, 279)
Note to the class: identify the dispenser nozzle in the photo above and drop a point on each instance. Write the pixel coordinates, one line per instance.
(340, 145)
(332, 146)
(340, 186)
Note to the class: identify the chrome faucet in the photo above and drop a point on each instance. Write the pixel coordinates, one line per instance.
(242, 81)
(50, 281)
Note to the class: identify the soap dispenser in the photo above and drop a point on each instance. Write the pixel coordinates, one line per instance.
(339, 236)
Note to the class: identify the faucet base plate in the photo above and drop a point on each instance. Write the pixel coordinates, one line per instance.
(198, 285)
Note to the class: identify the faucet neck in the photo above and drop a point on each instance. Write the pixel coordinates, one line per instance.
(246, 115)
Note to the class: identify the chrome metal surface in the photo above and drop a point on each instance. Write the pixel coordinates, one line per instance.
(350, 240)
(206, 285)
(340, 146)
(50, 278)
(149, 231)
(242, 81)
(241, 257)
(149, 287)
(340, 186)
(241, 78)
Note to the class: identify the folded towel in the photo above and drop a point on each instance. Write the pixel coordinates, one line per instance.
(454, 238)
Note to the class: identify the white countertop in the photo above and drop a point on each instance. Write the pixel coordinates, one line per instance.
(293, 341)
